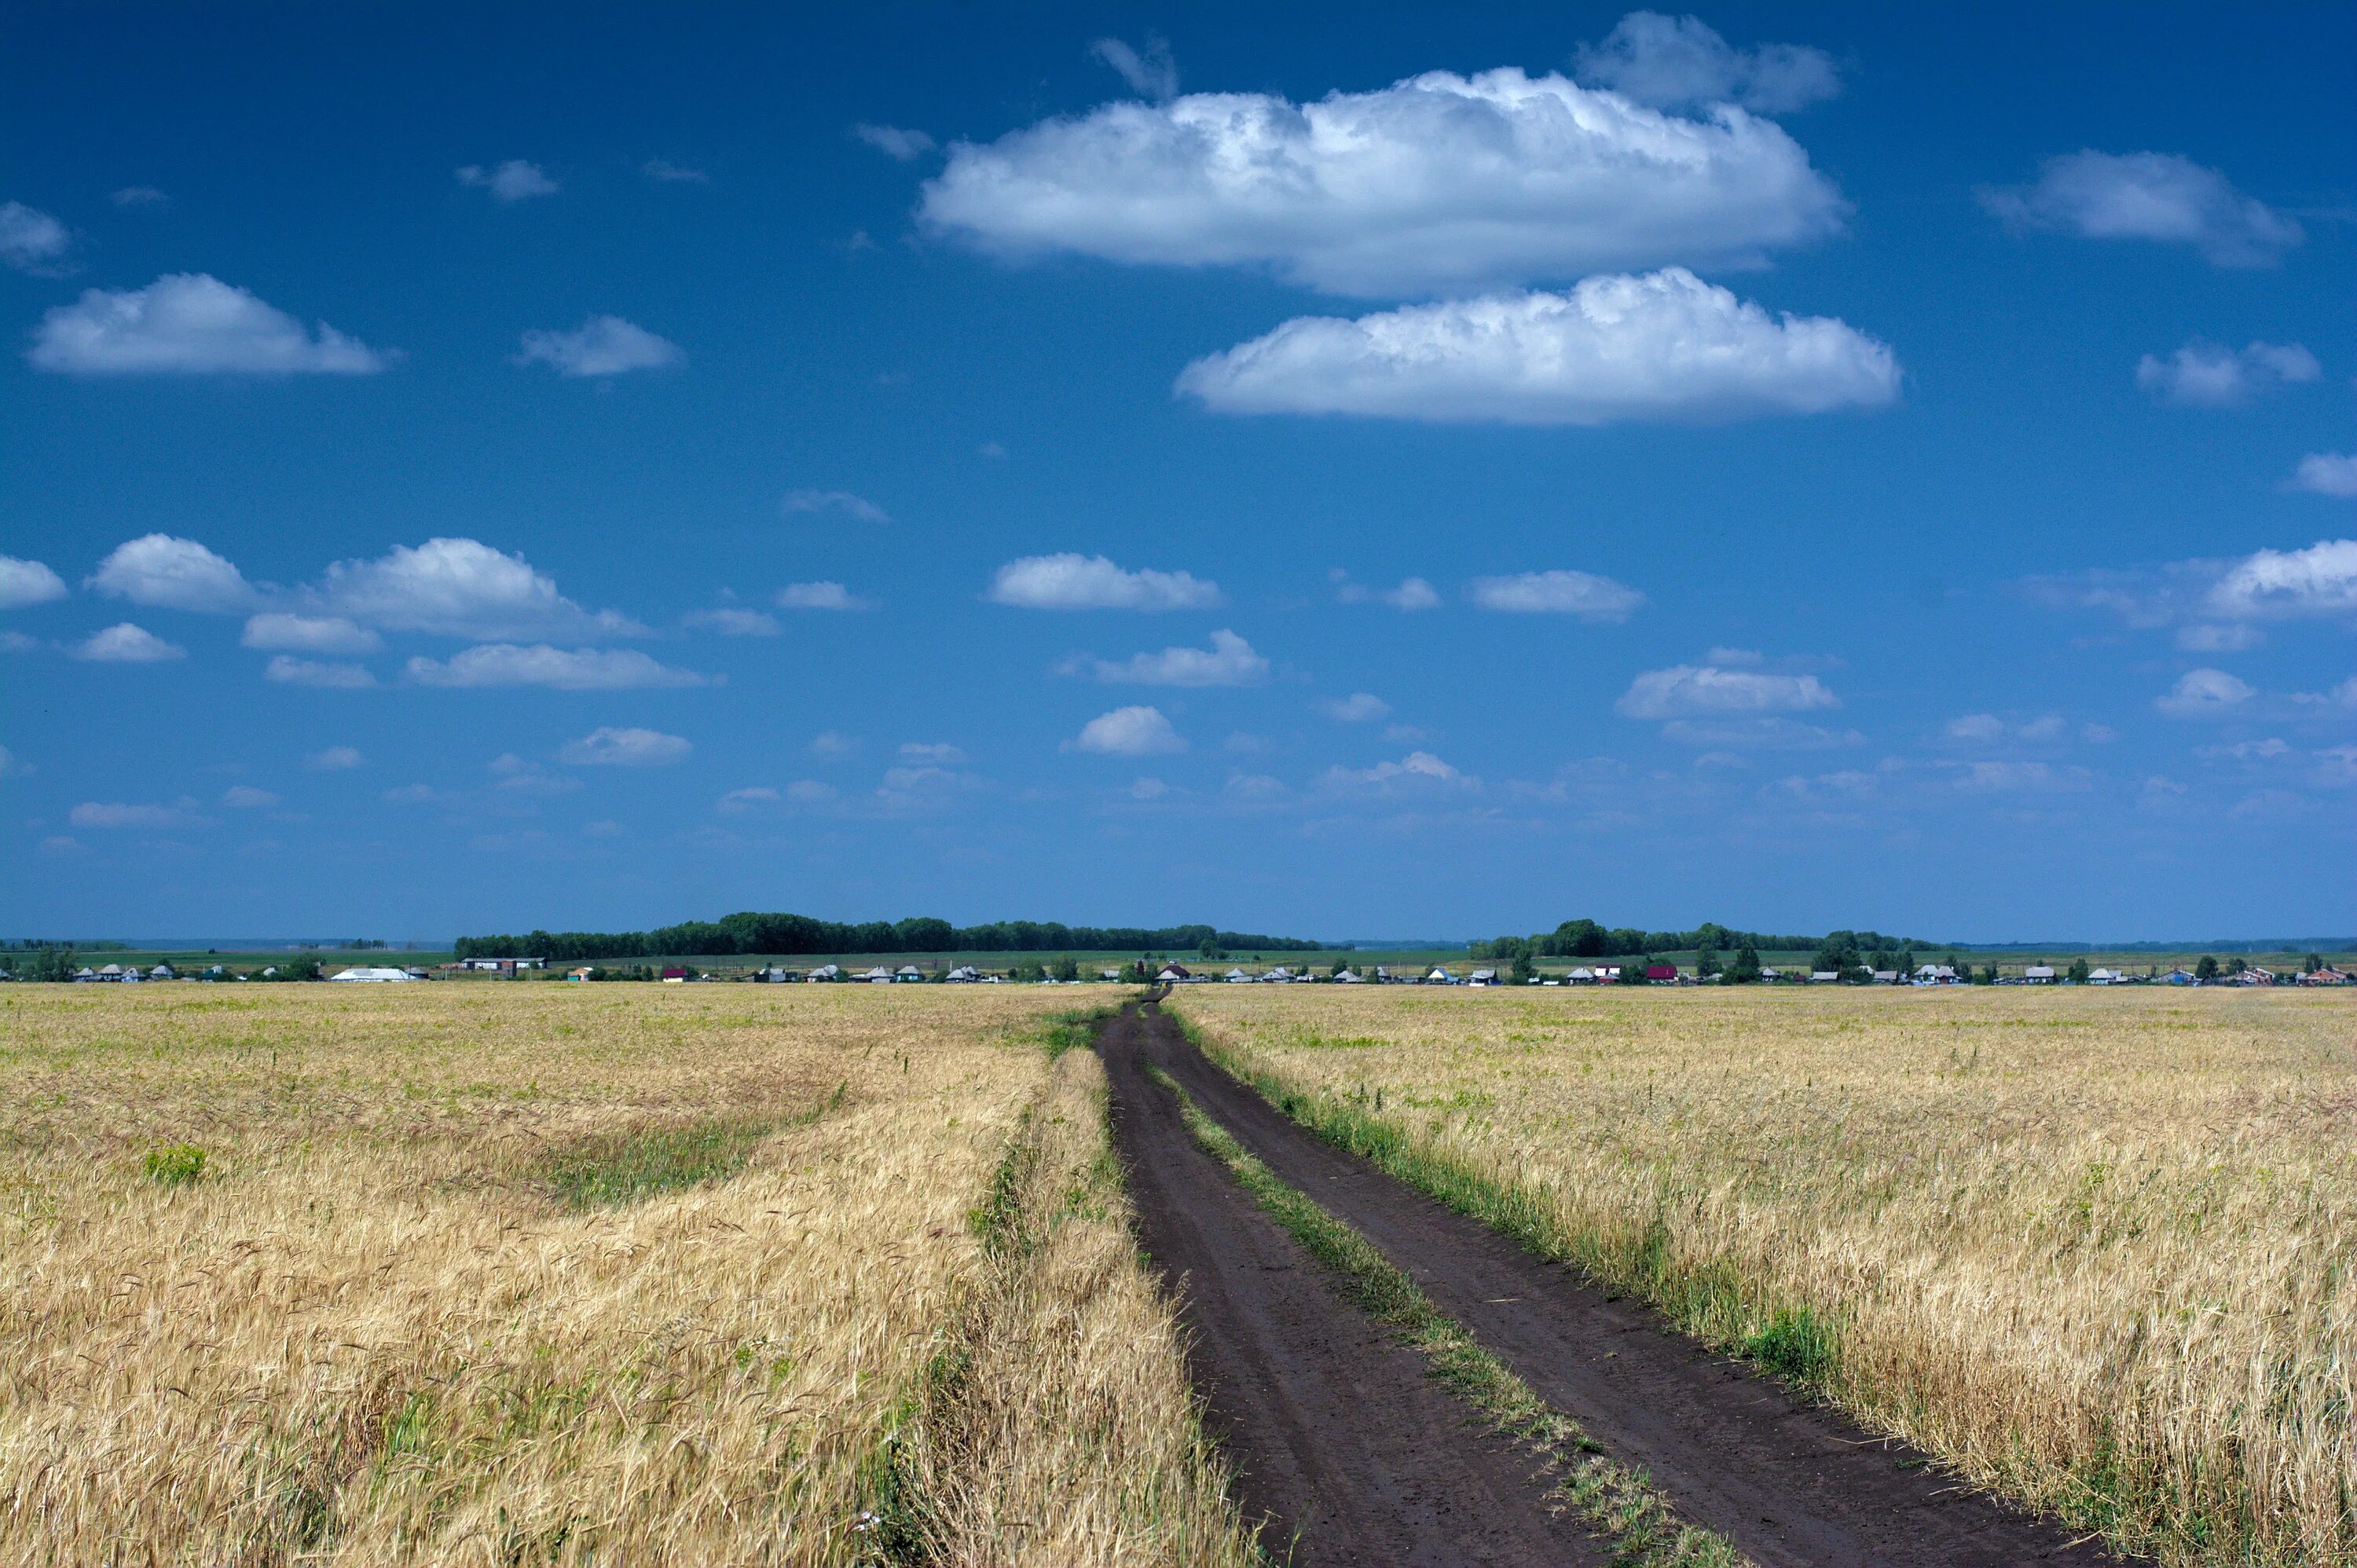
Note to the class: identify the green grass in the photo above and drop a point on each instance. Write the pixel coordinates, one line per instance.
(1621, 1505)
(176, 1165)
(611, 1170)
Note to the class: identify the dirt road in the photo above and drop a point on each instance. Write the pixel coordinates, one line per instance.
(1789, 1484)
(1339, 1435)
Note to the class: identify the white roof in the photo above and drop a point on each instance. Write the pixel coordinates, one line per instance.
(366, 972)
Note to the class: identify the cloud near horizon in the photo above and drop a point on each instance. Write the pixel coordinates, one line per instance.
(1581, 593)
(2208, 375)
(1128, 732)
(1687, 691)
(602, 346)
(1229, 661)
(1439, 183)
(1666, 346)
(609, 746)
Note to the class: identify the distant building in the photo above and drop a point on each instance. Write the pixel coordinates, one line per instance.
(907, 973)
(827, 971)
(2038, 974)
(963, 975)
(1660, 972)
(372, 974)
(674, 975)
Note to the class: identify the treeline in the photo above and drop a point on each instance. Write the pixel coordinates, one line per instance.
(1587, 939)
(784, 935)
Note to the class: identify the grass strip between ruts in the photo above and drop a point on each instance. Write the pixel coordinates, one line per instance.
(1634, 1517)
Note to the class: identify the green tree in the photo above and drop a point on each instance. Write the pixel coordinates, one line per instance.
(2311, 963)
(2077, 972)
(1067, 970)
(1745, 970)
(2207, 969)
(1522, 971)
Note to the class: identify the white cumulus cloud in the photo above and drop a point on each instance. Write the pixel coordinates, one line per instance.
(600, 346)
(1229, 661)
(1128, 732)
(608, 747)
(514, 180)
(2211, 375)
(2327, 474)
(1076, 582)
(1685, 690)
(25, 583)
(1665, 346)
(1581, 593)
(1436, 184)
(460, 587)
(124, 643)
(189, 324)
(1681, 62)
(334, 759)
(573, 669)
(245, 797)
(1417, 772)
(1358, 708)
(2205, 693)
(2320, 580)
(30, 240)
(327, 674)
(821, 596)
(167, 573)
(2148, 195)
(308, 634)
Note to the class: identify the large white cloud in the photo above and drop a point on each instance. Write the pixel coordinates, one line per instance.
(2320, 580)
(600, 346)
(124, 643)
(1419, 772)
(608, 747)
(1440, 183)
(2148, 195)
(1581, 593)
(460, 587)
(1665, 346)
(25, 583)
(1076, 582)
(570, 669)
(2211, 375)
(1128, 732)
(189, 324)
(30, 240)
(1681, 62)
(167, 573)
(1687, 691)
(1229, 661)
(308, 634)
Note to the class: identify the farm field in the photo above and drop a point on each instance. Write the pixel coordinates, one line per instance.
(527, 1274)
(2089, 1247)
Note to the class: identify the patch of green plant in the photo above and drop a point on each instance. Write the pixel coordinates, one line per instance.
(612, 1169)
(1075, 1030)
(1620, 1503)
(176, 1164)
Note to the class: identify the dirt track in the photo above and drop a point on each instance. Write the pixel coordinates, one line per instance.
(1340, 1437)
(1306, 1389)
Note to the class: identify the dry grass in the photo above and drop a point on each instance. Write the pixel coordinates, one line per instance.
(2093, 1247)
(521, 1274)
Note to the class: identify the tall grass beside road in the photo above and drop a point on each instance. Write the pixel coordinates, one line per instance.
(2093, 1247)
(542, 1275)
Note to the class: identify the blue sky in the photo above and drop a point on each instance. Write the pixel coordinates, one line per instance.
(1347, 473)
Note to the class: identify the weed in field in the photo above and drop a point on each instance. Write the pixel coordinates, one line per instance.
(176, 1164)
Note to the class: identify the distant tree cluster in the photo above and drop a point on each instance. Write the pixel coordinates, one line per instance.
(1587, 939)
(790, 934)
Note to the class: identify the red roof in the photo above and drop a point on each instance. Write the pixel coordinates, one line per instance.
(1662, 972)
(675, 974)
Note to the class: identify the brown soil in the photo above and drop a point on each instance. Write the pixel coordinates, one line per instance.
(1790, 1482)
(1340, 1439)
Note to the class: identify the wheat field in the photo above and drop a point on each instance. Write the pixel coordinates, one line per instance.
(555, 1274)
(2093, 1247)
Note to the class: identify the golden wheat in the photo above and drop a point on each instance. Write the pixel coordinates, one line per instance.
(525, 1273)
(2093, 1247)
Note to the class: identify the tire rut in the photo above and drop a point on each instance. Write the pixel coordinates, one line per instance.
(1339, 1438)
(1791, 1483)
